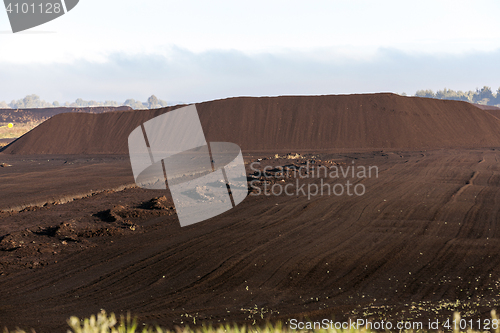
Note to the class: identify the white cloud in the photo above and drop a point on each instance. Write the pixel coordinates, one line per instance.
(193, 77)
(200, 50)
(96, 29)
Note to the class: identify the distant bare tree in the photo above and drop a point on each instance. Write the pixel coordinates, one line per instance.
(134, 104)
(425, 93)
(80, 102)
(481, 96)
(484, 95)
(152, 101)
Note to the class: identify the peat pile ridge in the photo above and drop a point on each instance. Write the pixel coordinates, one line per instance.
(493, 110)
(288, 122)
(41, 114)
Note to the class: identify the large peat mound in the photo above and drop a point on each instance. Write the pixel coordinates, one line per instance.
(494, 110)
(378, 121)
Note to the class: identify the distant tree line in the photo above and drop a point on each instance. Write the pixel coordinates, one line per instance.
(33, 101)
(483, 96)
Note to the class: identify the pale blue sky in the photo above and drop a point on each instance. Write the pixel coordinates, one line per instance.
(200, 50)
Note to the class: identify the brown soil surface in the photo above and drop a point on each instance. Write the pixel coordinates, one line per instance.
(40, 114)
(422, 241)
(493, 110)
(487, 107)
(423, 236)
(37, 180)
(371, 121)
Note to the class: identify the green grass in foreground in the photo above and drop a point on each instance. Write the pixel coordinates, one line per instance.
(105, 323)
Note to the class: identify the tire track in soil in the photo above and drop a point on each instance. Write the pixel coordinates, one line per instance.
(404, 241)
